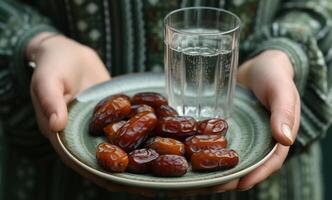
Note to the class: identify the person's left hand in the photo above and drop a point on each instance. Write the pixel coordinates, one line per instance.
(270, 76)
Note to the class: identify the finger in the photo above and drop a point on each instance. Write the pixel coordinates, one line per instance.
(266, 169)
(49, 95)
(227, 186)
(282, 100)
(41, 118)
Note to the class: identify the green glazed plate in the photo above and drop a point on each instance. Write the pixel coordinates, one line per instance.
(249, 134)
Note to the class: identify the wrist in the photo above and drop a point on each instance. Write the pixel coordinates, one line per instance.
(34, 47)
(34, 43)
(261, 66)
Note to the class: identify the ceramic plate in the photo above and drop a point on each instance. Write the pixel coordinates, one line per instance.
(249, 134)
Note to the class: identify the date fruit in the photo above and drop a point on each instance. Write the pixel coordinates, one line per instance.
(135, 131)
(203, 142)
(166, 146)
(212, 127)
(109, 110)
(152, 99)
(111, 157)
(135, 109)
(111, 129)
(169, 166)
(214, 159)
(166, 111)
(177, 127)
(140, 160)
(129, 123)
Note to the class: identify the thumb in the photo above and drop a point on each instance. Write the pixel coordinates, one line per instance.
(51, 101)
(282, 100)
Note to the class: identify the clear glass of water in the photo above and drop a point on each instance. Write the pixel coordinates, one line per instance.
(201, 58)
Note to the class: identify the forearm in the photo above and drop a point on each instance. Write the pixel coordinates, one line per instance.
(19, 25)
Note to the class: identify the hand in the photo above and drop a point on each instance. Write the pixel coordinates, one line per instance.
(64, 68)
(270, 76)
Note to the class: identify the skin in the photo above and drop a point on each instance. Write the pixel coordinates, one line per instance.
(58, 78)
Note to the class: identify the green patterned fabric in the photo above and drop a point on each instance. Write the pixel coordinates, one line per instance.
(128, 36)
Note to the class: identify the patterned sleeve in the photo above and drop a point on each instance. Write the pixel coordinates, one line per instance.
(18, 24)
(303, 29)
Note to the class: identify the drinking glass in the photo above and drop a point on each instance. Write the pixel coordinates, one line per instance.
(201, 58)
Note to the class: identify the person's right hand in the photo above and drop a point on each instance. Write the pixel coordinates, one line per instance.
(64, 68)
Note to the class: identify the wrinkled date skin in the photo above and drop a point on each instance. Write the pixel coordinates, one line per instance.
(111, 157)
(203, 142)
(212, 160)
(135, 131)
(109, 110)
(152, 99)
(177, 127)
(166, 146)
(212, 127)
(140, 160)
(111, 129)
(135, 109)
(169, 166)
(166, 111)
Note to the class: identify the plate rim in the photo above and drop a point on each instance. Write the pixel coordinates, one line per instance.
(165, 185)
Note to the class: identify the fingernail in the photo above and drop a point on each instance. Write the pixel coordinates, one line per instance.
(287, 132)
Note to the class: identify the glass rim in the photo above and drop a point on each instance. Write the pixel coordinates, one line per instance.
(237, 19)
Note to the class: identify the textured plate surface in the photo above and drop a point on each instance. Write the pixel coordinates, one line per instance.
(249, 134)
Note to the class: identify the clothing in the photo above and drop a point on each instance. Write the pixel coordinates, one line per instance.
(128, 36)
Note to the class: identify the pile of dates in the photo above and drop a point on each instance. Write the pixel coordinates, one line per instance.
(145, 135)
